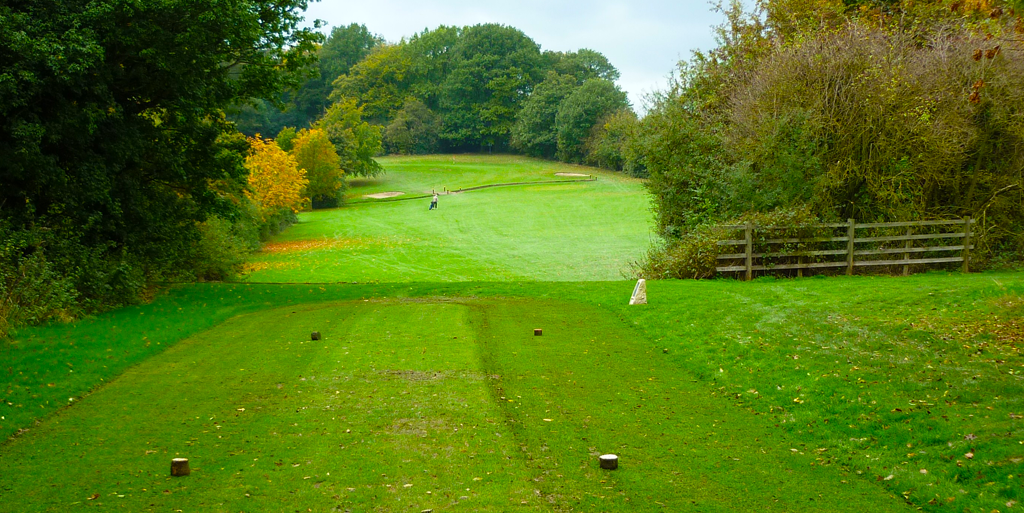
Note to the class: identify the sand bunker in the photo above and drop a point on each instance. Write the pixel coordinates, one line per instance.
(571, 174)
(382, 195)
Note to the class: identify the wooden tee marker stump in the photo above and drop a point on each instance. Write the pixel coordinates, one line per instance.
(179, 467)
(609, 461)
(315, 335)
(538, 332)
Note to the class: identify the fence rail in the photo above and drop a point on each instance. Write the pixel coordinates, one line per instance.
(820, 251)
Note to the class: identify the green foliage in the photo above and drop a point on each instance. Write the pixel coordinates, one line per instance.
(691, 257)
(413, 131)
(493, 69)
(873, 112)
(222, 248)
(356, 141)
(112, 129)
(314, 153)
(534, 131)
(379, 82)
(580, 111)
(32, 289)
(484, 87)
(584, 64)
(610, 141)
(302, 105)
(286, 138)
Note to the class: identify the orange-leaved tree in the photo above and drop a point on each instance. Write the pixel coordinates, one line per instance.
(315, 153)
(275, 179)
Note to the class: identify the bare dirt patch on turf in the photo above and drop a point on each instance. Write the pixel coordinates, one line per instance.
(382, 195)
(571, 174)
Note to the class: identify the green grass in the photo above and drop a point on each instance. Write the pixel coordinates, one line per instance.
(820, 394)
(439, 403)
(555, 232)
(419, 175)
(868, 382)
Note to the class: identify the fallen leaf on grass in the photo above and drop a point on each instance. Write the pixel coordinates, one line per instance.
(93, 496)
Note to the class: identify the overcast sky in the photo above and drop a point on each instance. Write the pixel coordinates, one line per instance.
(644, 39)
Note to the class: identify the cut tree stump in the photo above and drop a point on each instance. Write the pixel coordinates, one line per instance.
(315, 335)
(179, 467)
(609, 461)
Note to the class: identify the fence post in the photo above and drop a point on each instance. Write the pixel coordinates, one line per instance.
(851, 233)
(967, 243)
(748, 237)
(906, 256)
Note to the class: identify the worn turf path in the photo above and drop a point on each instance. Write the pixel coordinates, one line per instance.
(437, 403)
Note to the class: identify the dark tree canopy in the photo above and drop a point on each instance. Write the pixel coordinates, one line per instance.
(580, 111)
(111, 123)
(301, 106)
(534, 131)
(493, 69)
(478, 88)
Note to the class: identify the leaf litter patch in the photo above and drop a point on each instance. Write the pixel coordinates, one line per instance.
(324, 243)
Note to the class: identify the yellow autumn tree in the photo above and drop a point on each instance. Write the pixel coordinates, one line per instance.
(315, 154)
(275, 179)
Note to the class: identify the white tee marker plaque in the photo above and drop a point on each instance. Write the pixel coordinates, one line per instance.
(639, 293)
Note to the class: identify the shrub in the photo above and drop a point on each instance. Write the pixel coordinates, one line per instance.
(694, 255)
(32, 291)
(221, 250)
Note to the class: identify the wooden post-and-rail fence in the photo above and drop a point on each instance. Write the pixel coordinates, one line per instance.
(838, 245)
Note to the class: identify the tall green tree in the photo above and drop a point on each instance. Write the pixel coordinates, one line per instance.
(316, 155)
(355, 140)
(493, 70)
(580, 111)
(112, 126)
(379, 82)
(431, 52)
(302, 105)
(583, 64)
(413, 131)
(534, 130)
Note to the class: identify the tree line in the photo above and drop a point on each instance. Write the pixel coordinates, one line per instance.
(481, 88)
(828, 110)
(119, 166)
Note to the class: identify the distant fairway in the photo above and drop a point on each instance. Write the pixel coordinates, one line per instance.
(585, 231)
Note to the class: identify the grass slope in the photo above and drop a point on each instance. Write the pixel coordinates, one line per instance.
(554, 232)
